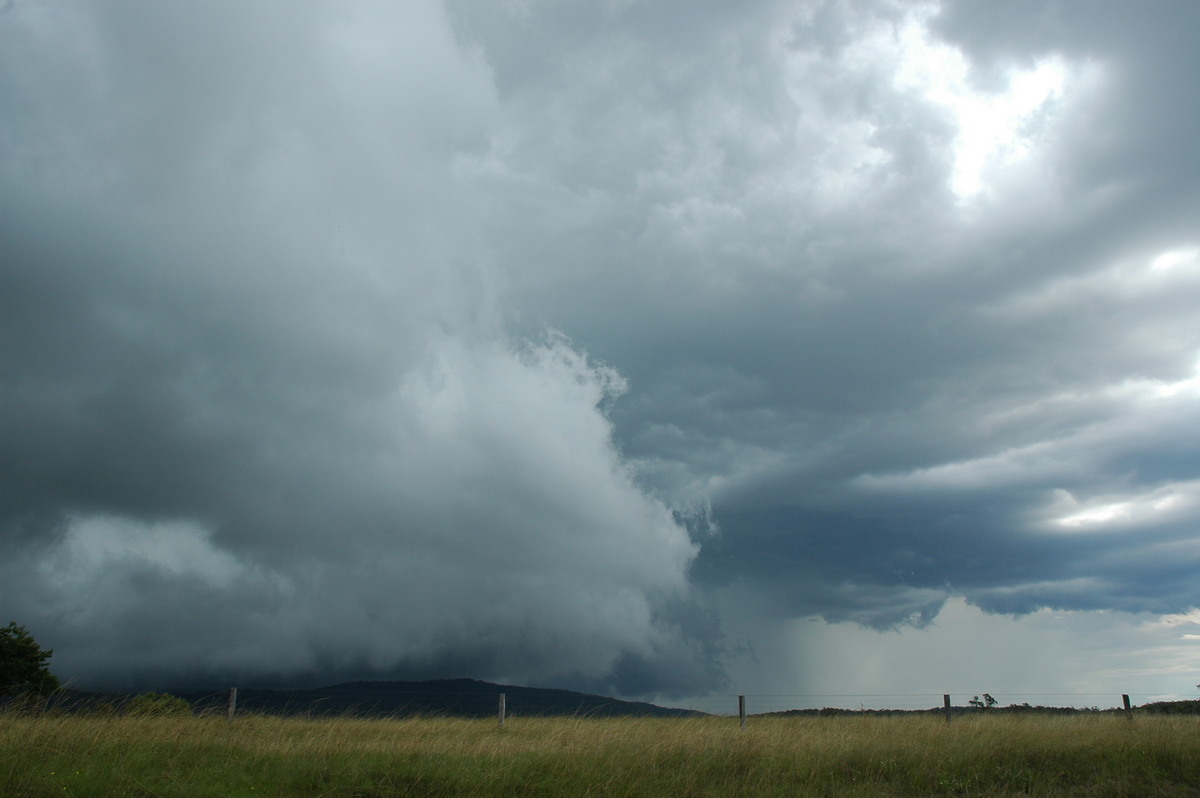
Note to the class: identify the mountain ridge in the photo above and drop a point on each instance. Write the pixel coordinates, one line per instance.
(455, 697)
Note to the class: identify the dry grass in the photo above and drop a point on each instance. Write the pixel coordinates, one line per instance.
(997, 755)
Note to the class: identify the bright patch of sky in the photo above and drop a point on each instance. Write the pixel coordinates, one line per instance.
(997, 127)
(1175, 500)
(966, 652)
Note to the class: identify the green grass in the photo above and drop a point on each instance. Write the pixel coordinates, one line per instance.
(1102, 755)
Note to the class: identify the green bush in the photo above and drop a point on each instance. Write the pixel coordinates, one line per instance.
(158, 704)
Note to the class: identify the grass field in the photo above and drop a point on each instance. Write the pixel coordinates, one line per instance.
(1096, 755)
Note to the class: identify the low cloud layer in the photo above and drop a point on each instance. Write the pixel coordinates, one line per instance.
(540, 342)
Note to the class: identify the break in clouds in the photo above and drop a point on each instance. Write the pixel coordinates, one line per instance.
(536, 341)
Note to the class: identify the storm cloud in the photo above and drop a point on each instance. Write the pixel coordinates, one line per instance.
(592, 345)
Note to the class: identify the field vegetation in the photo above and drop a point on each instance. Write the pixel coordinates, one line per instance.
(142, 755)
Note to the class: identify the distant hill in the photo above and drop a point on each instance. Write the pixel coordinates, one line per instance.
(443, 697)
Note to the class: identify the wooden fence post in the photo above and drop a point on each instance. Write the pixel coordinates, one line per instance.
(501, 710)
(1128, 708)
(232, 704)
(742, 710)
(946, 704)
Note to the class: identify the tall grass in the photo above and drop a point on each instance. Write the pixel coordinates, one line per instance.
(1102, 755)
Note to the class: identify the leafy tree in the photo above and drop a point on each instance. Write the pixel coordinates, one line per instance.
(23, 663)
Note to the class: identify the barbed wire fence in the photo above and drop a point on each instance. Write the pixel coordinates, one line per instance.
(503, 703)
(768, 703)
(528, 702)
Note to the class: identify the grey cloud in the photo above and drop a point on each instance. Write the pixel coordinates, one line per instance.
(257, 388)
(782, 347)
(277, 288)
(1137, 137)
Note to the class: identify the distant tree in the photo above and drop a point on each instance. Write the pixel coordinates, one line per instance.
(23, 663)
(987, 702)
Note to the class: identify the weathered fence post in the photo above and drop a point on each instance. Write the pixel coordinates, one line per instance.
(742, 710)
(232, 704)
(946, 704)
(1128, 708)
(501, 710)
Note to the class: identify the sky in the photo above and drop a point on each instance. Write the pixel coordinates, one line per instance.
(836, 352)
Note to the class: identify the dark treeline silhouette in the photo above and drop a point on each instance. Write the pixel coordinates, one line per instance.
(1172, 708)
(985, 710)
